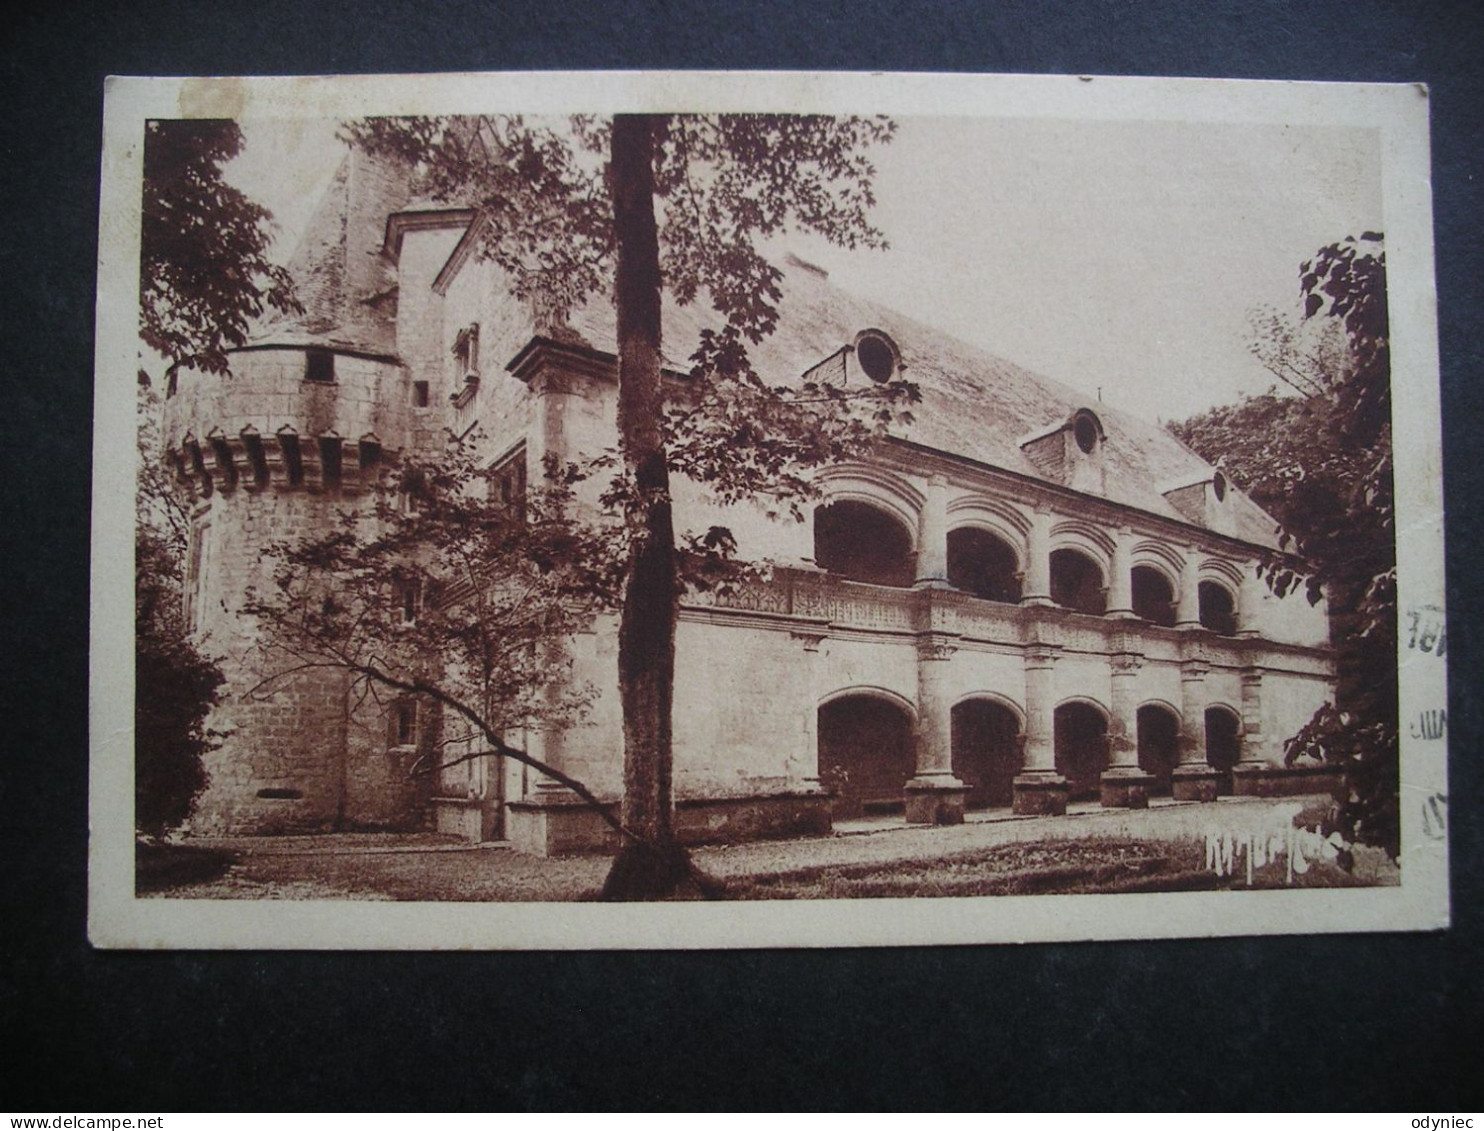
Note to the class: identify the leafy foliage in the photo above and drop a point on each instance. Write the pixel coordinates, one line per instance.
(204, 272)
(723, 184)
(204, 275)
(444, 590)
(571, 213)
(1321, 464)
(175, 686)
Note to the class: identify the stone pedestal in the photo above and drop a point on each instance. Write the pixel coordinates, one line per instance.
(557, 823)
(1040, 795)
(1194, 782)
(1250, 779)
(1126, 788)
(935, 800)
(472, 818)
(1259, 779)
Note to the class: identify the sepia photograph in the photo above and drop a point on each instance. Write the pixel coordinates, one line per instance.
(722, 510)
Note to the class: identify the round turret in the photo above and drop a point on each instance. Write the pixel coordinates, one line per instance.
(273, 452)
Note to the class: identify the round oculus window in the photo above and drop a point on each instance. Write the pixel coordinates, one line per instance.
(878, 360)
(1085, 431)
(1218, 486)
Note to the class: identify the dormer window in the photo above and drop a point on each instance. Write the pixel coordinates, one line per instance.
(877, 355)
(1207, 499)
(1087, 430)
(1069, 451)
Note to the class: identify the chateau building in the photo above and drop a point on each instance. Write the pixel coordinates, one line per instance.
(1020, 600)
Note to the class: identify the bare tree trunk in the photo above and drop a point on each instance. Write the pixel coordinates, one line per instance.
(649, 864)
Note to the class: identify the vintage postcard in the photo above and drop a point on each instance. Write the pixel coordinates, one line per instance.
(733, 510)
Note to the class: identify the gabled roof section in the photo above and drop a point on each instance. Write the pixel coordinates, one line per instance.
(347, 287)
(973, 403)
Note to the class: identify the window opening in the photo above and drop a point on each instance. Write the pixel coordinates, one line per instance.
(194, 581)
(877, 359)
(507, 485)
(404, 723)
(862, 543)
(1085, 431)
(1154, 596)
(982, 564)
(1218, 611)
(466, 351)
(409, 599)
(319, 366)
(419, 394)
(1077, 582)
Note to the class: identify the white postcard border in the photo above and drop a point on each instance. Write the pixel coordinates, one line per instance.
(117, 919)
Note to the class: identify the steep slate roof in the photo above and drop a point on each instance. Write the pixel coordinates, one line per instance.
(973, 403)
(346, 286)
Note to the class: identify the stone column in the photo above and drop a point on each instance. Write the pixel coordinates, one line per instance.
(1188, 608)
(1252, 771)
(1124, 784)
(1193, 779)
(551, 820)
(1037, 590)
(1038, 788)
(549, 441)
(1121, 580)
(934, 796)
(932, 536)
(1249, 603)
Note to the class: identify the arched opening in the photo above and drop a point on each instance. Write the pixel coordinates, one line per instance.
(1081, 737)
(986, 751)
(1077, 582)
(1087, 430)
(1223, 745)
(982, 564)
(877, 355)
(1154, 596)
(1159, 745)
(862, 543)
(865, 754)
(1218, 610)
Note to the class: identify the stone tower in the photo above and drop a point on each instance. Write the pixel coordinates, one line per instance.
(276, 449)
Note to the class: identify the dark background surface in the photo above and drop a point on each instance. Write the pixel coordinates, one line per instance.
(1301, 1022)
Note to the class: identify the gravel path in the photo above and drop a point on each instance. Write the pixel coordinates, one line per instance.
(425, 866)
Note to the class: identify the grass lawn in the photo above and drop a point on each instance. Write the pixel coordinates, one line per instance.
(1038, 867)
(1050, 867)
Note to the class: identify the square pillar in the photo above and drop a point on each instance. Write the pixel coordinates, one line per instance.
(1253, 769)
(1038, 789)
(1123, 784)
(934, 796)
(1193, 779)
